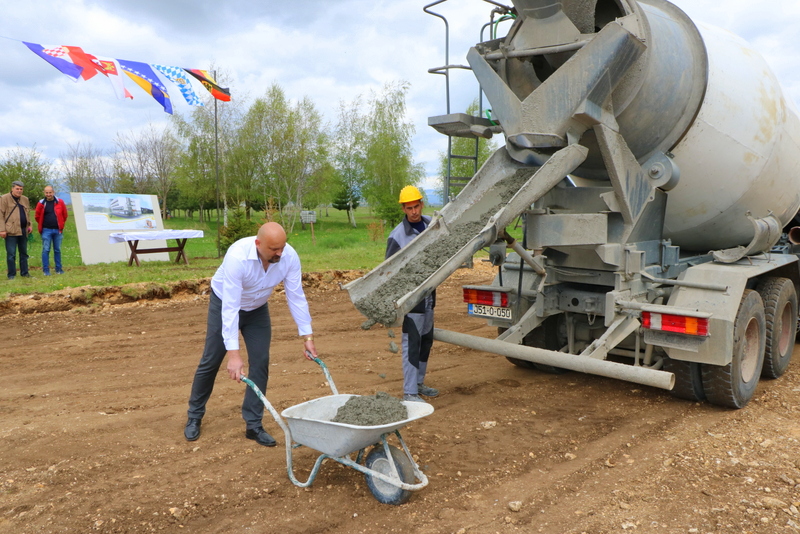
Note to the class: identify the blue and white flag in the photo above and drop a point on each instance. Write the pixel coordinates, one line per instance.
(178, 76)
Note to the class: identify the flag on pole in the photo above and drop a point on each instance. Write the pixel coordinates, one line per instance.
(57, 56)
(178, 76)
(111, 69)
(143, 75)
(220, 93)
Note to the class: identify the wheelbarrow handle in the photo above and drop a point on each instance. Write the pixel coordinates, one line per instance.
(324, 370)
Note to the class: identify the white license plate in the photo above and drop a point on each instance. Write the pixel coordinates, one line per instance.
(494, 312)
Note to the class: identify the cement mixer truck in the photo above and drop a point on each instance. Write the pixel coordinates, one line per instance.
(655, 164)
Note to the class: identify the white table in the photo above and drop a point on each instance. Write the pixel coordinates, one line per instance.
(133, 238)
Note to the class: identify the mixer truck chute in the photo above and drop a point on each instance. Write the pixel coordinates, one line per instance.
(654, 162)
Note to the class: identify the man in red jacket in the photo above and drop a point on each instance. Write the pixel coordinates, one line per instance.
(51, 214)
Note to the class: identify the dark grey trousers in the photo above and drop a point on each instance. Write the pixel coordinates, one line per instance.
(256, 330)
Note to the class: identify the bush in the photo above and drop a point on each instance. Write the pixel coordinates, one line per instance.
(238, 228)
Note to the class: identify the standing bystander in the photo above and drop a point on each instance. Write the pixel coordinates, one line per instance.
(240, 288)
(51, 214)
(418, 323)
(15, 226)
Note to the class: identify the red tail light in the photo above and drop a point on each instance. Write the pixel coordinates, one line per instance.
(681, 324)
(487, 298)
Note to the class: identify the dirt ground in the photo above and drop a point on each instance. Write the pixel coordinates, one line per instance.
(93, 403)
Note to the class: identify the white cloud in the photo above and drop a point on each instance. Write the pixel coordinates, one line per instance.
(327, 50)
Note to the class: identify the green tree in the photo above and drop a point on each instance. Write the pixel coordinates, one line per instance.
(349, 158)
(389, 164)
(238, 228)
(28, 166)
(348, 200)
(463, 146)
(282, 152)
(207, 136)
(249, 165)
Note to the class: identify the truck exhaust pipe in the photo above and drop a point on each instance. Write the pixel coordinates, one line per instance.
(582, 364)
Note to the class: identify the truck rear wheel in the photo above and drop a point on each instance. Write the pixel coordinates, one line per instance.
(688, 379)
(548, 336)
(780, 306)
(733, 385)
(525, 364)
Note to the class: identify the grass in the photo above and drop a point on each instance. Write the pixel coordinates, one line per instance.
(333, 245)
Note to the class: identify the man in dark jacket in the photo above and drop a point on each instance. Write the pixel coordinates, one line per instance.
(51, 214)
(418, 324)
(15, 225)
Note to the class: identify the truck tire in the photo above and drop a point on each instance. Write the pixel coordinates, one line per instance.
(733, 385)
(547, 337)
(780, 306)
(525, 364)
(688, 379)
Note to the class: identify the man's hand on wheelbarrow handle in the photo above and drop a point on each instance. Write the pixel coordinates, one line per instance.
(309, 349)
(235, 365)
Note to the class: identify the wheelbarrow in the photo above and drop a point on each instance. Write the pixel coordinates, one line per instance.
(391, 473)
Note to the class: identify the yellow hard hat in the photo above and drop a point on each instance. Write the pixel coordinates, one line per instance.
(409, 194)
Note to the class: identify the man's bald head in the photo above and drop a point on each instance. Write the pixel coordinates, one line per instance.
(270, 242)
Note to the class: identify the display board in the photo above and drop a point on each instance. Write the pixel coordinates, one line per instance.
(97, 215)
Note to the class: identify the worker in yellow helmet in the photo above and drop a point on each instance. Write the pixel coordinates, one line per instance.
(417, 324)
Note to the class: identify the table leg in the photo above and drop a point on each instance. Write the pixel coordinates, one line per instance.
(181, 253)
(133, 245)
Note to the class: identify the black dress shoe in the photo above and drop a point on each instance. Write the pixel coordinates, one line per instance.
(261, 436)
(192, 430)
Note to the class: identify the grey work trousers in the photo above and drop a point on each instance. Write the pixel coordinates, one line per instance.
(257, 332)
(417, 343)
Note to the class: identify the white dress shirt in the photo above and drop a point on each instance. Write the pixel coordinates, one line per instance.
(242, 284)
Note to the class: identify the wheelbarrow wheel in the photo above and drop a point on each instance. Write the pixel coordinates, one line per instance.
(383, 491)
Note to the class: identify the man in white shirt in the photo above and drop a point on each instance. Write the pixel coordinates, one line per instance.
(251, 269)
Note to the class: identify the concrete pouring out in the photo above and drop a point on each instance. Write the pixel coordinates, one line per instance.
(371, 410)
(379, 305)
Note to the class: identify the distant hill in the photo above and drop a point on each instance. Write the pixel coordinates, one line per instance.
(434, 197)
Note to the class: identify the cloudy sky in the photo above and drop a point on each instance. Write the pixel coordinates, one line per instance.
(328, 50)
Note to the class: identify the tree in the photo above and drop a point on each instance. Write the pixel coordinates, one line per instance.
(349, 145)
(84, 168)
(151, 157)
(207, 138)
(463, 146)
(28, 166)
(282, 152)
(347, 199)
(389, 164)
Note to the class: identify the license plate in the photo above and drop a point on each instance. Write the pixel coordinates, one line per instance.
(494, 312)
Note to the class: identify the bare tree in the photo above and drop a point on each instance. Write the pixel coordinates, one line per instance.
(84, 168)
(130, 161)
(151, 157)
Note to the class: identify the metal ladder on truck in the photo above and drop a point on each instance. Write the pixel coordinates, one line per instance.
(462, 124)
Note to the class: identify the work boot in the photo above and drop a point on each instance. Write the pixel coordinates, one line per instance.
(412, 398)
(192, 430)
(426, 391)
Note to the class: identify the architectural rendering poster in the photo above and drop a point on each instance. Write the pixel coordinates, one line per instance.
(118, 212)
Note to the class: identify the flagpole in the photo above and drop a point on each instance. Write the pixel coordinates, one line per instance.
(216, 165)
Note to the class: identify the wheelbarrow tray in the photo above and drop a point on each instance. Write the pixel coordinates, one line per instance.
(310, 425)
